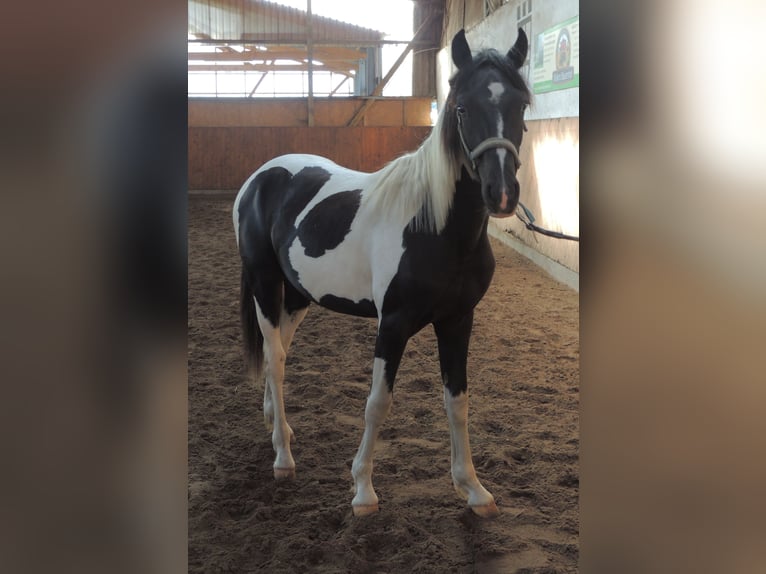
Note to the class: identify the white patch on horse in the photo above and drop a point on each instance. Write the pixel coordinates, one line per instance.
(501, 151)
(361, 267)
(496, 90)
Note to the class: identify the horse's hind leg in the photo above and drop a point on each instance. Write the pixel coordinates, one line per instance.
(268, 306)
(288, 323)
(294, 308)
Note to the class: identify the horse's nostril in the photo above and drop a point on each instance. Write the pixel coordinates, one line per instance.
(504, 201)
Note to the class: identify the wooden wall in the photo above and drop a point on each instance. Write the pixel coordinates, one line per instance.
(462, 14)
(294, 112)
(229, 139)
(424, 57)
(222, 158)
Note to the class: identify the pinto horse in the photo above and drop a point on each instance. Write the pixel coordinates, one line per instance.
(407, 245)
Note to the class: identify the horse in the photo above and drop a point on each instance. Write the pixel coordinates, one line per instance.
(406, 245)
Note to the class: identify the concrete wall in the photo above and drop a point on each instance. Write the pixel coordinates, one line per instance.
(550, 172)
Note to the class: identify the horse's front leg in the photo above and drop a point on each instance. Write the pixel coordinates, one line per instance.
(388, 354)
(453, 337)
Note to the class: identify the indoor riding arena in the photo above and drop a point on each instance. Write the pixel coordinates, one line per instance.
(274, 78)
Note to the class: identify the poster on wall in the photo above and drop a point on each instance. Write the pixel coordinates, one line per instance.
(556, 64)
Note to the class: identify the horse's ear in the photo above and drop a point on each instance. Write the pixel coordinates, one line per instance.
(461, 52)
(518, 53)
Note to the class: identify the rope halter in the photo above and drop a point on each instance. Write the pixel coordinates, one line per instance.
(489, 143)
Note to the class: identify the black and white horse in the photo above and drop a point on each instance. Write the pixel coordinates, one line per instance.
(407, 244)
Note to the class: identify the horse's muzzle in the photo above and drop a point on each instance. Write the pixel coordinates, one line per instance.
(499, 186)
(501, 199)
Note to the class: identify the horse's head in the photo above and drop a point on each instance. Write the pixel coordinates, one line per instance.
(484, 119)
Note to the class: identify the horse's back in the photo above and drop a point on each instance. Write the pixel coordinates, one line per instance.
(295, 162)
(309, 212)
(277, 177)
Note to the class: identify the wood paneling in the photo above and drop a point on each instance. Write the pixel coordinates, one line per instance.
(230, 139)
(424, 59)
(293, 112)
(383, 115)
(461, 14)
(335, 113)
(416, 113)
(222, 158)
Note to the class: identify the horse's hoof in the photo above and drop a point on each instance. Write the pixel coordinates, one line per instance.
(284, 473)
(486, 510)
(365, 509)
(462, 493)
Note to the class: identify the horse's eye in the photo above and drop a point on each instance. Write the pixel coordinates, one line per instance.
(460, 109)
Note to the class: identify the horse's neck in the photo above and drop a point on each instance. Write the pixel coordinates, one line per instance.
(468, 217)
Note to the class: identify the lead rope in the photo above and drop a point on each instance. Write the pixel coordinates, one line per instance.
(529, 223)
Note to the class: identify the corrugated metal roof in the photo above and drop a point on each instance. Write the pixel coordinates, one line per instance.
(259, 21)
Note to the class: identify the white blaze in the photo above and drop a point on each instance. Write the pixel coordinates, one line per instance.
(501, 151)
(496, 90)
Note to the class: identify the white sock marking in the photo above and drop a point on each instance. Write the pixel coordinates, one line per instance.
(378, 404)
(274, 357)
(463, 472)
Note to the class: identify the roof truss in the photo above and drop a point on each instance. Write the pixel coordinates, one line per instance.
(269, 58)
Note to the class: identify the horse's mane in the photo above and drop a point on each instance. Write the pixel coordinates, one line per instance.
(421, 184)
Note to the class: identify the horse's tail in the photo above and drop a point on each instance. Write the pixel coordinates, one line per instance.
(252, 338)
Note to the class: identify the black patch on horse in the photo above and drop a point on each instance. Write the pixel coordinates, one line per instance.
(303, 187)
(364, 308)
(257, 200)
(328, 223)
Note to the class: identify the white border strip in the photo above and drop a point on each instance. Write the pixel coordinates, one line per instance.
(555, 269)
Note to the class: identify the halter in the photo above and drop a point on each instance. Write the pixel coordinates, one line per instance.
(489, 143)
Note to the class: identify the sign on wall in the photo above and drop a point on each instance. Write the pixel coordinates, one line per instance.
(556, 63)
